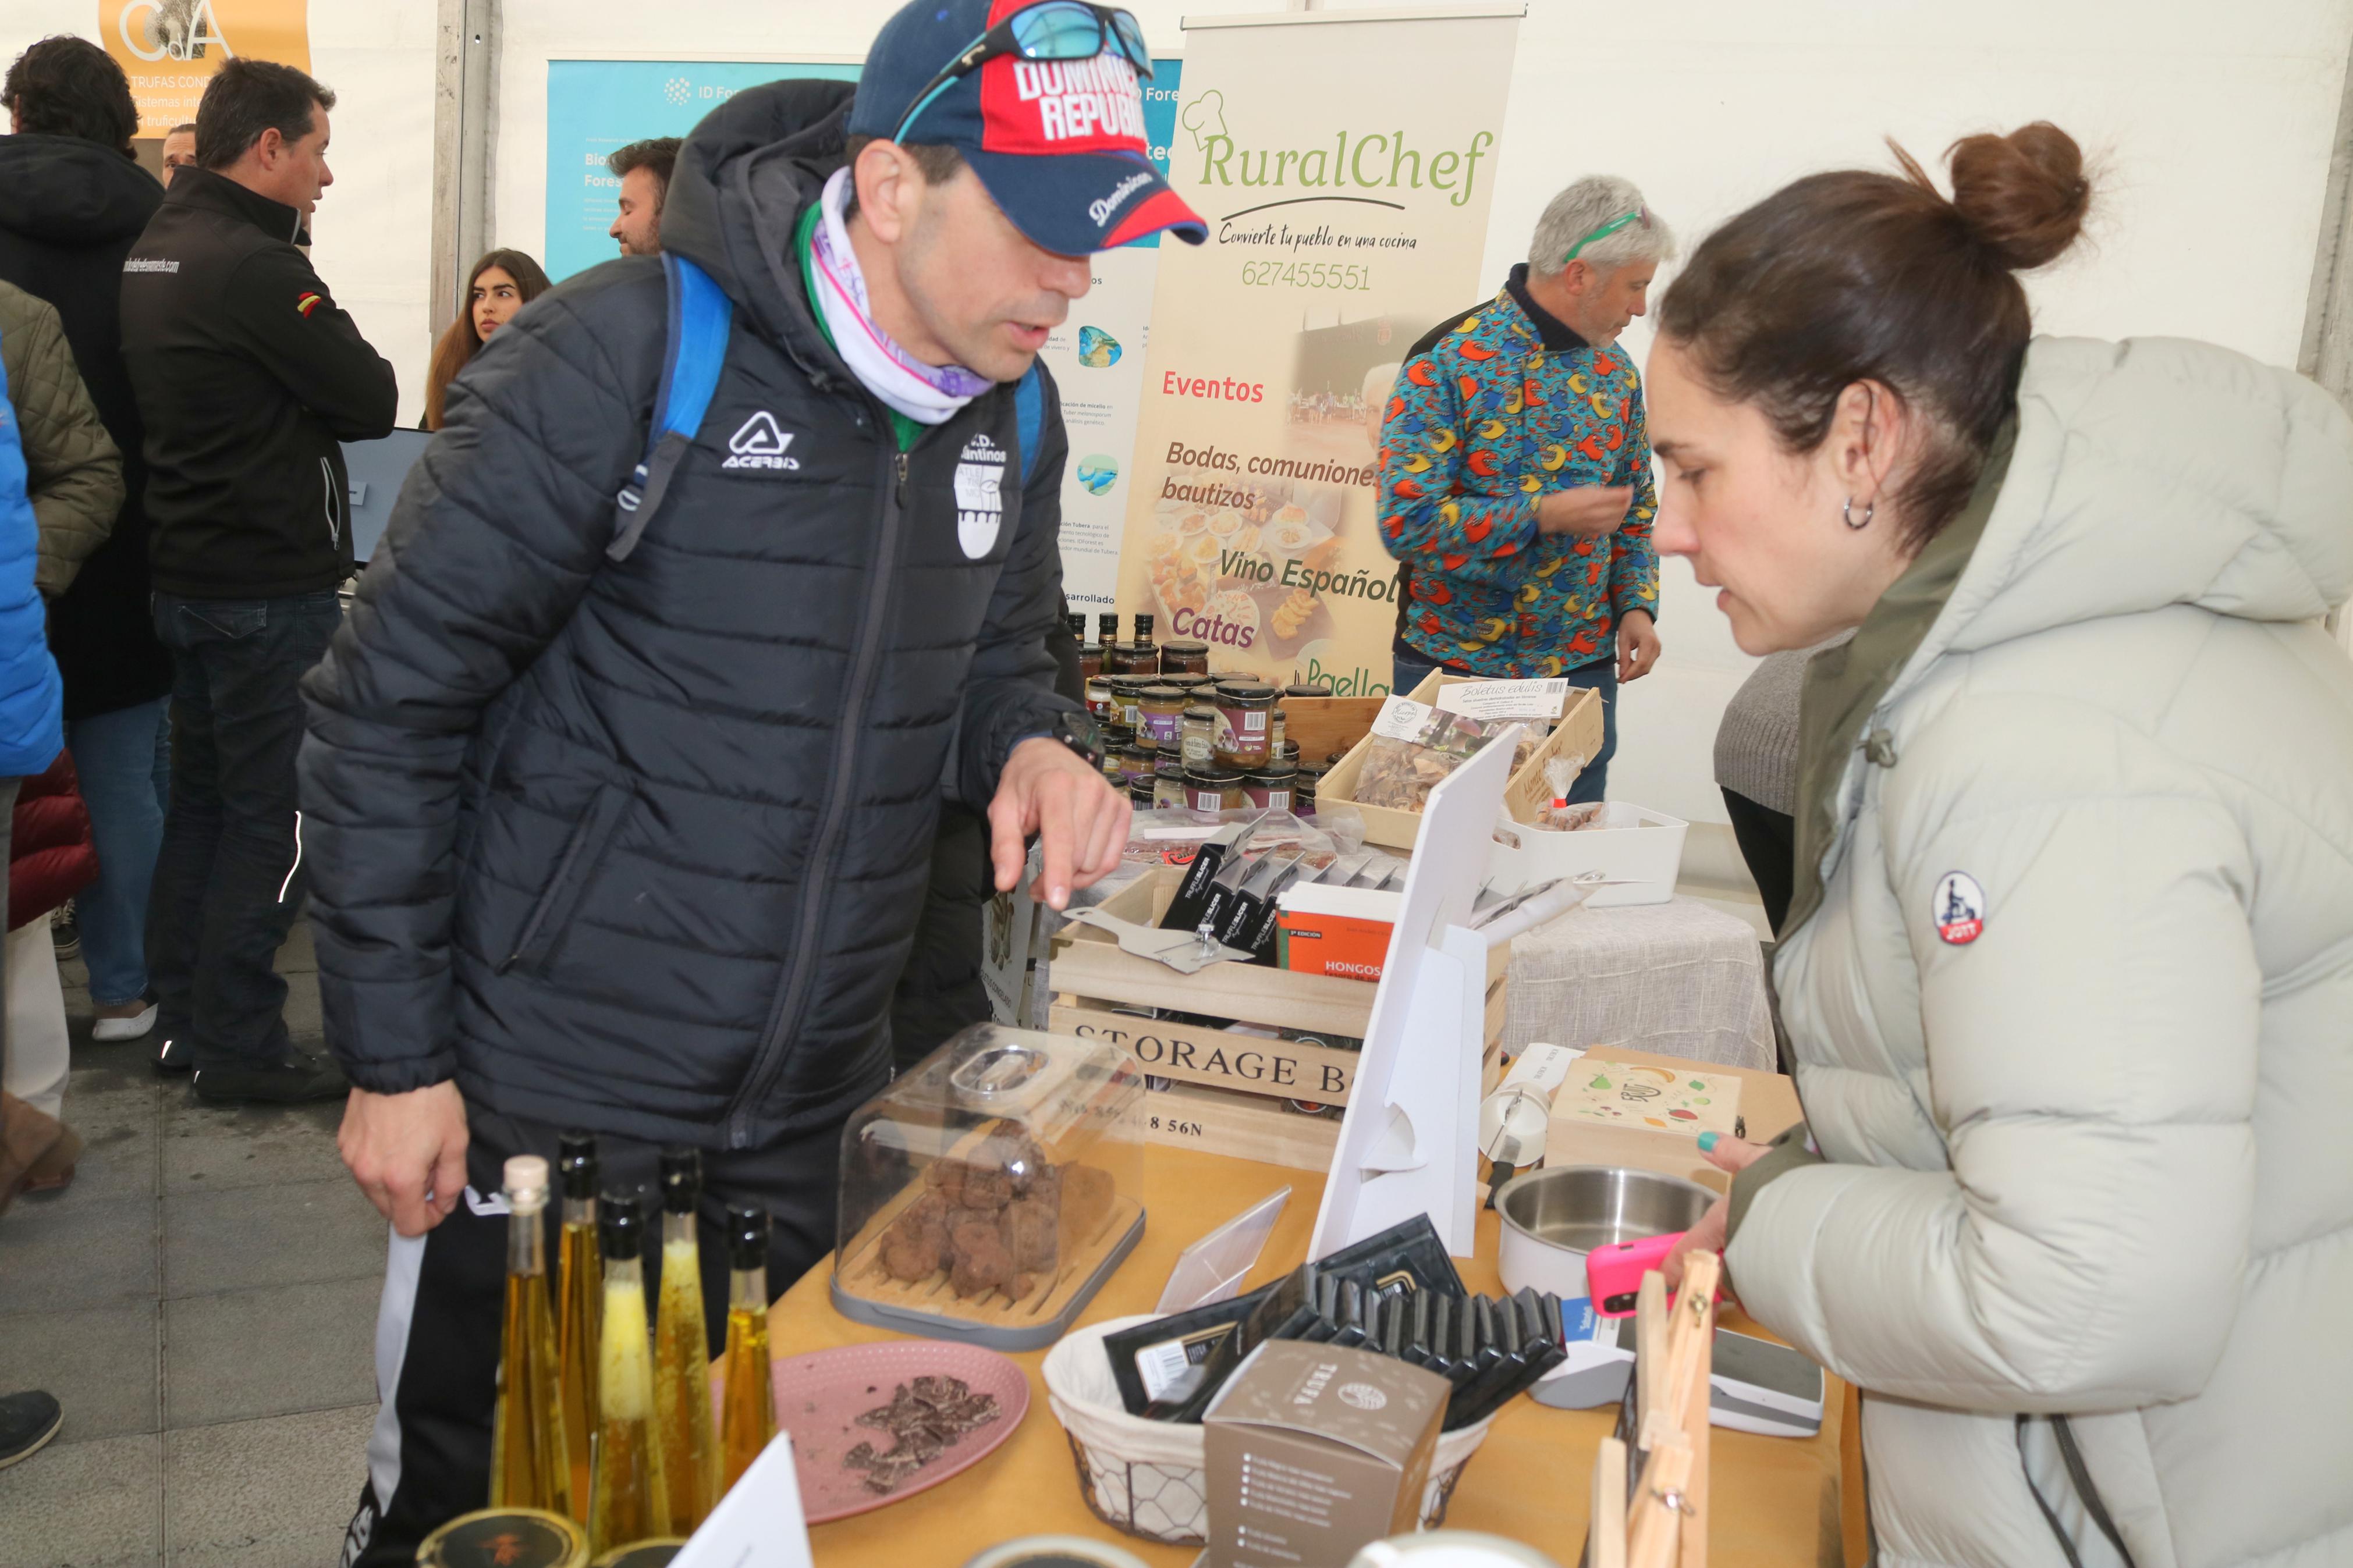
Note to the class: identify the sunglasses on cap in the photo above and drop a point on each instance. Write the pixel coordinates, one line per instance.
(1055, 30)
(1639, 214)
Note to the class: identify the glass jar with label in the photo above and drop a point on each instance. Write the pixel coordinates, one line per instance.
(1245, 709)
(1213, 787)
(1099, 698)
(1140, 795)
(1185, 658)
(1116, 739)
(1274, 723)
(1167, 782)
(1160, 712)
(1270, 785)
(1197, 735)
(1302, 789)
(1309, 688)
(1136, 762)
(1126, 699)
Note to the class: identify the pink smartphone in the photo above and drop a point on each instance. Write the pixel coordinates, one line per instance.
(1613, 1274)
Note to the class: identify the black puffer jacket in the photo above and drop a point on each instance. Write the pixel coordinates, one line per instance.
(72, 211)
(640, 845)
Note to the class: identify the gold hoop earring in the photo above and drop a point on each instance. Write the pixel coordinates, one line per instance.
(1846, 514)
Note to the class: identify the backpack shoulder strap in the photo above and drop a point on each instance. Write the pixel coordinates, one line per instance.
(1030, 414)
(696, 350)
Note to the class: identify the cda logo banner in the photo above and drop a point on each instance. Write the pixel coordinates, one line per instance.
(170, 49)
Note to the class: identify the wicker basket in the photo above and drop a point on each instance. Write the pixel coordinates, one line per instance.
(1145, 1476)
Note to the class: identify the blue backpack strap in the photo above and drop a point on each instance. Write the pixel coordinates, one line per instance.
(699, 316)
(1030, 414)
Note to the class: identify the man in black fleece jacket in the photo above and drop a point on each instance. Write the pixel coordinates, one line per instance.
(247, 377)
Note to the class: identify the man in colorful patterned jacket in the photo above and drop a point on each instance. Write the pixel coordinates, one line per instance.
(1515, 469)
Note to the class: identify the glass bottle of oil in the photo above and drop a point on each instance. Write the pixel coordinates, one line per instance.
(528, 1466)
(747, 1408)
(683, 1351)
(580, 1309)
(629, 1503)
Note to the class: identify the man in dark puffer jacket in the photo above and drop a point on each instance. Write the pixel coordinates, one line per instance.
(638, 845)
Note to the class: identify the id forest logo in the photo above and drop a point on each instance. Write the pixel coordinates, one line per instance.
(1355, 159)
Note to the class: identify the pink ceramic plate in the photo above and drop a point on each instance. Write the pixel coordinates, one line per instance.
(819, 1398)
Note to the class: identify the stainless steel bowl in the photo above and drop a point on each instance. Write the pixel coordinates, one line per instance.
(1553, 1217)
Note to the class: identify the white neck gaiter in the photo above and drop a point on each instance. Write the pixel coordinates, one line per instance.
(927, 393)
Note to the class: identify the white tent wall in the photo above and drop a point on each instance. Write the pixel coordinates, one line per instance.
(374, 228)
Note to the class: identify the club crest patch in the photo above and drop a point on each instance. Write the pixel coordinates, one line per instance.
(1959, 910)
(980, 506)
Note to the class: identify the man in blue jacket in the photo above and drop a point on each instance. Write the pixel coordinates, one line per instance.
(632, 837)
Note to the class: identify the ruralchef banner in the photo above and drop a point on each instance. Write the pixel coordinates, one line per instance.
(170, 49)
(1343, 223)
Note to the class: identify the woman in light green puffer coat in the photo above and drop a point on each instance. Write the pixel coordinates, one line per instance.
(2068, 970)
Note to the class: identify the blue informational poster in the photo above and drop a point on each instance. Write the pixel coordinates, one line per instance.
(597, 106)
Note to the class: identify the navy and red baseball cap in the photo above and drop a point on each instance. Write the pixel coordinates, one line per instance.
(1058, 144)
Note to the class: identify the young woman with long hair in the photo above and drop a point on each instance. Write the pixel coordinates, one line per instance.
(502, 283)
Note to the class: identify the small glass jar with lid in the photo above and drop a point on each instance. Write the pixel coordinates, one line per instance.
(1214, 788)
(1309, 688)
(1302, 789)
(1116, 739)
(1245, 714)
(1127, 701)
(1160, 712)
(1099, 698)
(1185, 658)
(1136, 760)
(1274, 727)
(1271, 784)
(1140, 795)
(1197, 736)
(1167, 782)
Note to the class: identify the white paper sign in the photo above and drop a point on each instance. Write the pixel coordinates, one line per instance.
(758, 1524)
(1402, 719)
(1505, 699)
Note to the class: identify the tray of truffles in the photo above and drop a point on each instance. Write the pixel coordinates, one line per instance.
(988, 1194)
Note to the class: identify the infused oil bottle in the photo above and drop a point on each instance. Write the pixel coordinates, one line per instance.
(747, 1408)
(580, 1309)
(528, 1463)
(628, 1502)
(690, 1448)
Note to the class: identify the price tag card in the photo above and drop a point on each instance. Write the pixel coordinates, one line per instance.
(1402, 719)
(758, 1524)
(1505, 699)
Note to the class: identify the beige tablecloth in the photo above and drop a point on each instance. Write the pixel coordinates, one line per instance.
(1678, 978)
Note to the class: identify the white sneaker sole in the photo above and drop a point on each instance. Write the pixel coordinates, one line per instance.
(125, 1029)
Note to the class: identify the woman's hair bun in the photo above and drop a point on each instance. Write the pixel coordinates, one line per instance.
(2023, 195)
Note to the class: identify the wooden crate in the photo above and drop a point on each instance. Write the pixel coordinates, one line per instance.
(1579, 732)
(1256, 1127)
(1328, 726)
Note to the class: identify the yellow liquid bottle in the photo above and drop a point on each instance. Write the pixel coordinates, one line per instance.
(528, 1467)
(690, 1445)
(748, 1406)
(629, 1503)
(580, 1309)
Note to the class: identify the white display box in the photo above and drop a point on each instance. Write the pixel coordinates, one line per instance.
(1643, 863)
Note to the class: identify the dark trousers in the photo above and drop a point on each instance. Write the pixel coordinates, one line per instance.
(228, 877)
(1411, 668)
(1768, 841)
(437, 1332)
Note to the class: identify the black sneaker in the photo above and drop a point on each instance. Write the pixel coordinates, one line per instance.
(294, 1081)
(175, 1055)
(65, 931)
(27, 1421)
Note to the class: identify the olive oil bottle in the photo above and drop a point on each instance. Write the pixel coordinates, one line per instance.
(629, 1503)
(690, 1448)
(747, 1408)
(528, 1465)
(580, 1309)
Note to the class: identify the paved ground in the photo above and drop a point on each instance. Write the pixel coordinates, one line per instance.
(202, 1300)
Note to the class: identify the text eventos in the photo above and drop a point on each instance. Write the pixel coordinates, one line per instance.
(1378, 162)
(1225, 389)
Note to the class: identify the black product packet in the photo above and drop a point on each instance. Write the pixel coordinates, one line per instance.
(1534, 1354)
(1417, 1345)
(1259, 939)
(1499, 1334)
(1184, 910)
(1352, 1315)
(1393, 1316)
(1408, 1255)
(1146, 1360)
(1224, 888)
(1284, 1312)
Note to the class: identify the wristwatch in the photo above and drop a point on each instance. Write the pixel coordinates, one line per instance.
(1077, 731)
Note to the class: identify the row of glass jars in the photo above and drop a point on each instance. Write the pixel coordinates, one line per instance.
(1236, 724)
